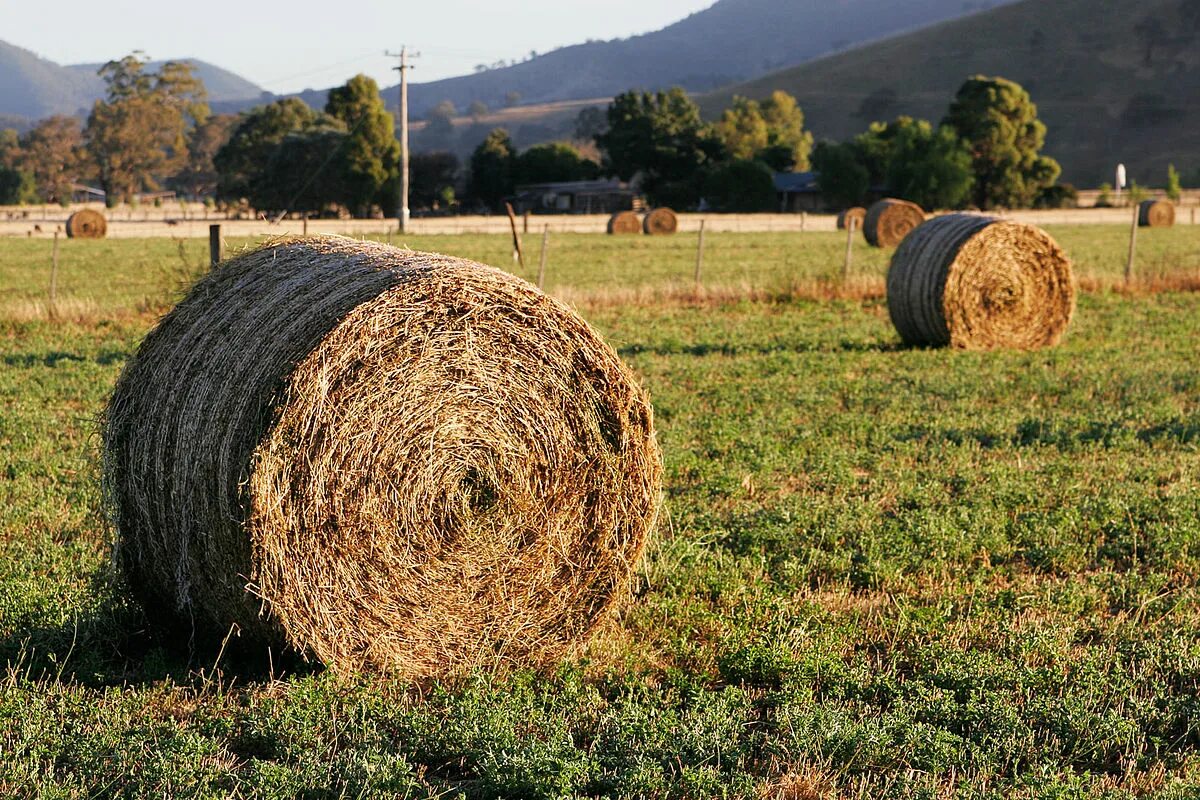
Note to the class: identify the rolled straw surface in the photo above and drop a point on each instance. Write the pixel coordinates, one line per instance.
(980, 283)
(87, 224)
(624, 222)
(661, 222)
(889, 221)
(1156, 214)
(380, 458)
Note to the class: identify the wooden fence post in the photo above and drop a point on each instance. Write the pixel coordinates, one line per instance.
(699, 255)
(1132, 247)
(851, 223)
(542, 258)
(52, 308)
(214, 245)
(512, 223)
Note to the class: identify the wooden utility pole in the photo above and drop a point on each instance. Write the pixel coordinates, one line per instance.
(403, 68)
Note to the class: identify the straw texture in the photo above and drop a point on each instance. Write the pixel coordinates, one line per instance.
(624, 222)
(857, 213)
(980, 283)
(889, 221)
(660, 222)
(1156, 214)
(380, 458)
(87, 224)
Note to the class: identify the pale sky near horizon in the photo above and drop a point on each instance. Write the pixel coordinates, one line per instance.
(287, 47)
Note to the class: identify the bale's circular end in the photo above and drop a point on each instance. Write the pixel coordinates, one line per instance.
(402, 460)
(661, 222)
(1156, 214)
(889, 221)
(851, 217)
(980, 283)
(624, 222)
(87, 224)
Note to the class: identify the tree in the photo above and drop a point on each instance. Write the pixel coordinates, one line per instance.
(137, 136)
(511, 99)
(932, 168)
(199, 177)
(547, 163)
(241, 160)
(999, 122)
(661, 137)
(1174, 186)
(372, 154)
(741, 185)
(307, 171)
(477, 110)
(492, 168)
(841, 174)
(589, 124)
(431, 174)
(772, 132)
(10, 148)
(51, 154)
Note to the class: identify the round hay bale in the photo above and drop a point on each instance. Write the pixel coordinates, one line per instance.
(1156, 214)
(660, 222)
(980, 283)
(624, 222)
(858, 214)
(87, 224)
(380, 458)
(889, 221)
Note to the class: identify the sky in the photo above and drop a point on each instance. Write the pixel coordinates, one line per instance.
(286, 47)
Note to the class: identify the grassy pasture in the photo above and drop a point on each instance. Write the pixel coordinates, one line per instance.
(883, 572)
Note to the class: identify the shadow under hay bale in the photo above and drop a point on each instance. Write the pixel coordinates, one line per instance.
(624, 222)
(380, 458)
(980, 283)
(87, 224)
(889, 221)
(1156, 214)
(858, 214)
(661, 222)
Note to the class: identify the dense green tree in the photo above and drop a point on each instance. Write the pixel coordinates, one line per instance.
(199, 176)
(999, 122)
(556, 161)
(10, 147)
(430, 175)
(492, 169)
(1174, 185)
(741, 185)
(307, 170)
(16, 187)
(660, 137)
(372, 157)
(932, 168)
(137, 135)
(590, 123)
(772, 132)
(841, 174)
(240, 161)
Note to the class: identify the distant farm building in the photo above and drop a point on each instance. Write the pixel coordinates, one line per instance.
(798, 191)
(576, 197)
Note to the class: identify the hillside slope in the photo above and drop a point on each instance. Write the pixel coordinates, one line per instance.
(1114, 80)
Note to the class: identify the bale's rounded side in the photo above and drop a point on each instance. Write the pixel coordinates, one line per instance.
(87, 224)
(889, 221)
(381, 458)
(661, 222)
(980, 283)
(857, 215)
(1156, 214)
(624, 222)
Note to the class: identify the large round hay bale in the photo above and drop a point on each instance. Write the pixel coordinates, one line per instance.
(624, 222)
(660, 222)
(380, 458)
(1156, 214)
(857, 215)
(889, 221)
(87, 224)
(980, 283)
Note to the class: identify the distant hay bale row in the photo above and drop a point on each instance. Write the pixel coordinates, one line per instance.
(87, 224)
(659, 222)
(1156, 214)
(852, 217)
(380, 458)
(980, 283)
(889, 221)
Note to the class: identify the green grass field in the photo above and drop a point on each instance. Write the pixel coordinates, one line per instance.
(882, 572)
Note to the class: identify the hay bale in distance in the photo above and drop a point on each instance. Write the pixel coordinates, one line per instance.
(404, 461)
(889, 221)
(87, 224)
(624, 222)
(980, 283)
(1156, 214)
(857, 213)
(660, 222)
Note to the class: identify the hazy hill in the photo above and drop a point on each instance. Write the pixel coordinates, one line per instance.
(32, 87)
(1115, 80)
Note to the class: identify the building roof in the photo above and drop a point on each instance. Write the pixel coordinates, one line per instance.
(574, 187)
(797, 182)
